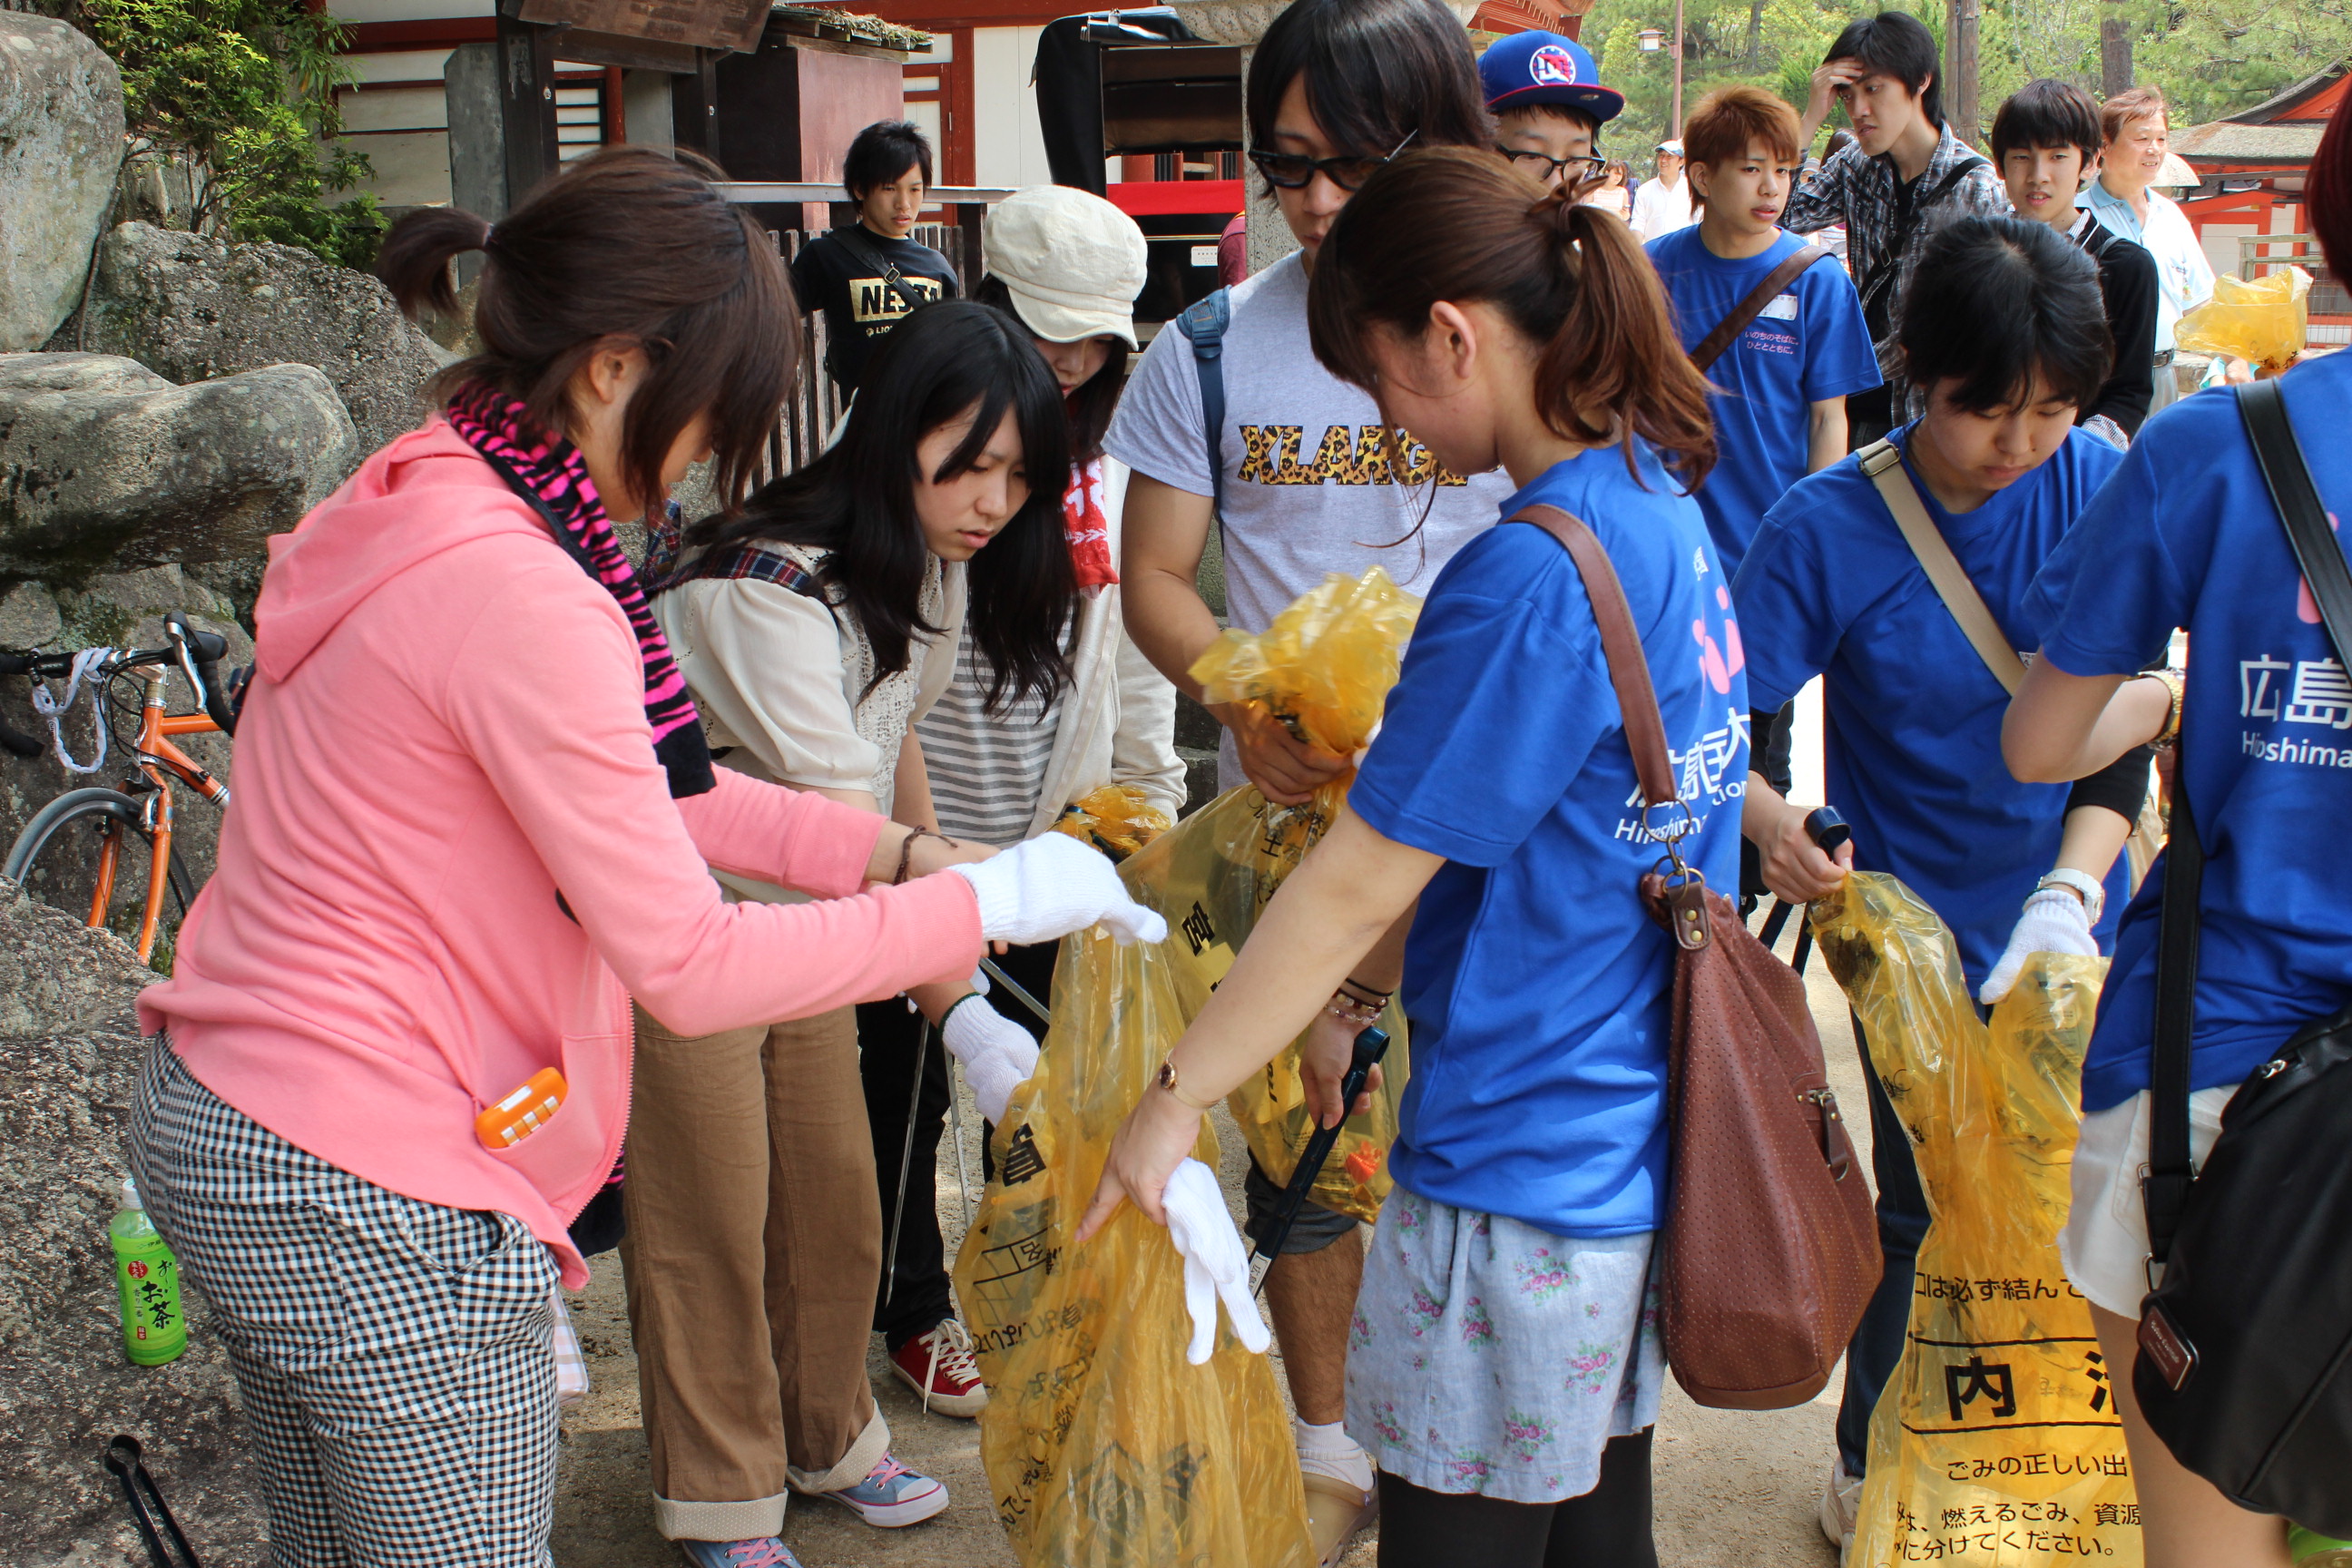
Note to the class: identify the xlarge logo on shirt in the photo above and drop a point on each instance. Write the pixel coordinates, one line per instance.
(874, 305)
(1349, 455)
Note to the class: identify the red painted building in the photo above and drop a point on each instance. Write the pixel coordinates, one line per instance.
(2253, 165)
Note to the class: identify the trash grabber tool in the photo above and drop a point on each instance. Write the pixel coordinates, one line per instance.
(997, 976)
(1371, 1047)
(907, 1160)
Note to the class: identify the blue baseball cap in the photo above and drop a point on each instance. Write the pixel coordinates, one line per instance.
(1545, 67)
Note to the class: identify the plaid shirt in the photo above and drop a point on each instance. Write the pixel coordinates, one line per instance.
(1860, 192)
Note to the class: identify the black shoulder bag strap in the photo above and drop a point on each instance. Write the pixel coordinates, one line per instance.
(2263, 407)
(1710, 347)
(1883, 279)
(864, 255)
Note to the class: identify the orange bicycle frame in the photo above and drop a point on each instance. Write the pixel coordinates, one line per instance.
(159, 760)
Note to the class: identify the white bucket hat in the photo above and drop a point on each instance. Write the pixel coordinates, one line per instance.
(1071, 260)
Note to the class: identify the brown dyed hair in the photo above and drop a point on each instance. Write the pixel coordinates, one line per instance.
(1727, 120)
(1455, 225)
(627, 247)
(2134, 103)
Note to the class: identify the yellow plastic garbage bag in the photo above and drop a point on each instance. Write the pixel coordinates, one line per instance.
(1324, 669)
(2265, 321)
(1996, 1444)
(1103, 1447)
(1118, 819)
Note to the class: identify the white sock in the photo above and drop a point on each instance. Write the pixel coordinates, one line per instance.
(1328, 1451)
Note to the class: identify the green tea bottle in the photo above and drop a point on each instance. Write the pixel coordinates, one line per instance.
(154, 1330)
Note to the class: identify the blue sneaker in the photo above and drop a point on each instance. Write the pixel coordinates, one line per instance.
(891, 1495)
(765, 1552)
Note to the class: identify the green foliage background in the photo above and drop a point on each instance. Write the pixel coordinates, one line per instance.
(248, 87)
(2211, 57)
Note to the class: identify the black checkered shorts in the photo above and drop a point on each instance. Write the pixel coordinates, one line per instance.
(393, 1356)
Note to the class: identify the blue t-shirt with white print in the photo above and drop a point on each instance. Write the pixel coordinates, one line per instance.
(1808, 345)
(2185, 536)
(1540, 993)
(1911, 742)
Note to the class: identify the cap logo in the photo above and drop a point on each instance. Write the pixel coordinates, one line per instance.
(1552, 66)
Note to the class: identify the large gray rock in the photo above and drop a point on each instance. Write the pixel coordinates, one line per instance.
(61, 143)
(69, 1055)
(123, 609)
(192, 308)
(105, 465)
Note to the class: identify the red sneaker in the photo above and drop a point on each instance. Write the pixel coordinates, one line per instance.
(939, 1366)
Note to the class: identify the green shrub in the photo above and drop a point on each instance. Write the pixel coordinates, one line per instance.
(248, 87)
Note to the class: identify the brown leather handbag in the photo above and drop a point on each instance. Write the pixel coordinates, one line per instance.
(1771, 1250)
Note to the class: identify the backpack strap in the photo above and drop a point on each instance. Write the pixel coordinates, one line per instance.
(1726, 331)
(1883, 461)
(1204, 322)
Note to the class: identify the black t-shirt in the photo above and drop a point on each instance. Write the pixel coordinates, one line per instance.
(861, 299)
(2127, 287)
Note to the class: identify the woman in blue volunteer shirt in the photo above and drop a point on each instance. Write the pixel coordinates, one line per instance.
(1504, 1367)
(2186, 537)
(2005, 333)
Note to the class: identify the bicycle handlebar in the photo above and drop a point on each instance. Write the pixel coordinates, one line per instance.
(200, 653)
(196, 655)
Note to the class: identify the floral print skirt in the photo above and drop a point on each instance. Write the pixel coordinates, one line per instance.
(1487, 1356)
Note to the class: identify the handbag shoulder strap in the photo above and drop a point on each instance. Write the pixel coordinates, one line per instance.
(1629, 667)
(1883, 461)
(2263, 407)
(1726, 331)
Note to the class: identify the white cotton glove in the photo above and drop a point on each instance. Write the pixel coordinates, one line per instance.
(1215, 1263)
(2054, 922)
(1049, 886)
(998, 1054)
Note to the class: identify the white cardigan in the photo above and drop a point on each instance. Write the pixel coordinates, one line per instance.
(1118, 719)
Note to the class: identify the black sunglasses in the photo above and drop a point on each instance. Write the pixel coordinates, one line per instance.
(1543, 165)
(1296, 171)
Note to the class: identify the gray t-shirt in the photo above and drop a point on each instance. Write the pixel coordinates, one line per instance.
(1308, 487)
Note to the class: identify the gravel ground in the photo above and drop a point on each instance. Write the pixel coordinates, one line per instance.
(1734, 1489)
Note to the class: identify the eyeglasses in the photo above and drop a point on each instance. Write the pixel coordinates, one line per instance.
(1544, 166)
(1296, 171)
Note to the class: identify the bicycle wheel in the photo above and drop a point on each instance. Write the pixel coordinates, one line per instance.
(56, 859)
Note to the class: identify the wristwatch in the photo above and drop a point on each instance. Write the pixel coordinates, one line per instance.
(1167, 1080)
(2081, 885)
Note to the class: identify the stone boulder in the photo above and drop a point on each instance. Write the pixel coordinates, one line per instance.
(69, 1053)
(106, 467)
(61, 143)
(190, 307)
(122, 609)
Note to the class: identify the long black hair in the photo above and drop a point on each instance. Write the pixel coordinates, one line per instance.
(944, 363)
(1092, 402)
(1998, 300)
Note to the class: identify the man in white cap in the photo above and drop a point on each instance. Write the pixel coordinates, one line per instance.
(1664, 204)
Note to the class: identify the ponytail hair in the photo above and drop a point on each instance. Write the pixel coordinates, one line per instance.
(1455, 225)
(627, 247)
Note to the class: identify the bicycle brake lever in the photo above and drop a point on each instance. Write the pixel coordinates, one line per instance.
(178, 630)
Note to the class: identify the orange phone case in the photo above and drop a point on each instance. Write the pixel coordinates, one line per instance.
(523, 1112)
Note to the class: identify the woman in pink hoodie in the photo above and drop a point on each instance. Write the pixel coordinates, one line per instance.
(474, 814)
